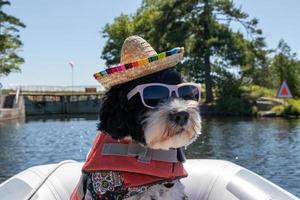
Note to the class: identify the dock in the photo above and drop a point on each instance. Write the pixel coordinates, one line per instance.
(45, 100)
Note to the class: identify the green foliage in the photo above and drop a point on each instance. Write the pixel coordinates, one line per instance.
(293, 107)
(224, 58)
(254, 110)
(278, 110)
(203, 27)
(284, 66)
(10, 42)
(255, 91)
(124, 26)
(116, 34)
(230, 98)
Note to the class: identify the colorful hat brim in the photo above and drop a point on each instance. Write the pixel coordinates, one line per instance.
(139, 68)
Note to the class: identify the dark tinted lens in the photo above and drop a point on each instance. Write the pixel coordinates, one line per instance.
(189, 92)
(154, 94)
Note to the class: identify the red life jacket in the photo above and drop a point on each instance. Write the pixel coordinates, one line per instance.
(134, 172)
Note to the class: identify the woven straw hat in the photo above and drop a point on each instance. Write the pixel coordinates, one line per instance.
(138, 59)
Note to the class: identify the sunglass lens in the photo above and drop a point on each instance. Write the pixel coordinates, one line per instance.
(154, 94)
(189, 92)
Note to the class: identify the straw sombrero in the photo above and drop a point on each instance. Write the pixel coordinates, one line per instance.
(138, 59)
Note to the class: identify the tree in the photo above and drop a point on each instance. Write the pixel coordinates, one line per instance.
(116, 34)
(204, 27)
(284, 66)
(10, 42)
(124, 26)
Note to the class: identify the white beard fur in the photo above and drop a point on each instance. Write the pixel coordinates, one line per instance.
(160, 132)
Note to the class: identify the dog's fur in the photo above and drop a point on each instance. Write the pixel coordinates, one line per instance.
(153, 128)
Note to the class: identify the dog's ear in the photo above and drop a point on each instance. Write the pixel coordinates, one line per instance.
(114, 116)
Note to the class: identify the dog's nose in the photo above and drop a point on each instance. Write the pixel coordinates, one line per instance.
(180, 118)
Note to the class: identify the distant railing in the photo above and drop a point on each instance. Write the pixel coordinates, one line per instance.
(45, 88)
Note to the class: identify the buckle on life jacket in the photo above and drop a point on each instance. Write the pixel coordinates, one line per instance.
(142, 154)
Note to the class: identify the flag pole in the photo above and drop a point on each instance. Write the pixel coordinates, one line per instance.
(72, 78)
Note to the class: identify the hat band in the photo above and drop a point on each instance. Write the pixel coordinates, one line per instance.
(138, 63)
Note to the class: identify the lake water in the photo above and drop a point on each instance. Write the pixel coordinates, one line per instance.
(269, 147)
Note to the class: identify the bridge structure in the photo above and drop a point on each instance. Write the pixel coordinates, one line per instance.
(45, 100)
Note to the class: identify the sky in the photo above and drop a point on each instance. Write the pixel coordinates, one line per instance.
(60, 31)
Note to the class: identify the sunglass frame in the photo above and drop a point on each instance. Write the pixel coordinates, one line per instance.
(172, 88)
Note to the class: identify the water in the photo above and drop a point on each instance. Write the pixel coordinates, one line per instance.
(269, 147)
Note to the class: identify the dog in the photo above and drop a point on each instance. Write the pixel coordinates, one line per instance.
(173, 123)
(147, 116)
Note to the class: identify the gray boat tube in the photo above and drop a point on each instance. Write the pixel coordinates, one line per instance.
(207, 180)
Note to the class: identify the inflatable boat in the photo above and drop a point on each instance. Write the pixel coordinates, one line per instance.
(207, 180)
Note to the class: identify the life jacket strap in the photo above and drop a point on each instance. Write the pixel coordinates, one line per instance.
(143, 154)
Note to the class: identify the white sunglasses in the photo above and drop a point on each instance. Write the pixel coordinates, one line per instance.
(153, 93)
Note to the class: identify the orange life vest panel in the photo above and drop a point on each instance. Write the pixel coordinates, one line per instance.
(134, 172)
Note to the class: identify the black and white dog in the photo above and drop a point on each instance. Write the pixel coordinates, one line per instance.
(158, 111)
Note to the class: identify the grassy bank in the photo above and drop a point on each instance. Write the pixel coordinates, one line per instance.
(254, 101)
(290, 108)
(281, 107)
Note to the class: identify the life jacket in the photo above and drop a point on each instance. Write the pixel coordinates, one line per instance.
(135, 172)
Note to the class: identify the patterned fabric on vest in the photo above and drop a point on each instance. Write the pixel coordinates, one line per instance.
(109, 185)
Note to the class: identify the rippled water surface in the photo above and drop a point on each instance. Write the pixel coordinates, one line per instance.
(269, 147)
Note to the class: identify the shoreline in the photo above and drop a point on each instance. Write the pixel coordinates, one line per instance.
(212, 110)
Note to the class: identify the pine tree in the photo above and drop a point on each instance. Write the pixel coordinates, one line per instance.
(10, 42)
